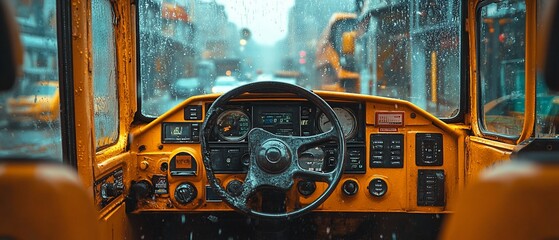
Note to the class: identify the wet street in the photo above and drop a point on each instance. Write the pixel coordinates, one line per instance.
(30, 140)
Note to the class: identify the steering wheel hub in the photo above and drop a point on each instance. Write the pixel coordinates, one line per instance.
(273, 156)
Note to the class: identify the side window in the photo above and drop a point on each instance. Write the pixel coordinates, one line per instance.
(30, 112)
(415, 54)
(104, 74)
(501, 52)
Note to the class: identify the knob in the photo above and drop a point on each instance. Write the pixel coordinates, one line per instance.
(378, 187)
(235, 187)
(185, 193)
(350, 187)
(141, 189)
(110, 190)
(306, 188)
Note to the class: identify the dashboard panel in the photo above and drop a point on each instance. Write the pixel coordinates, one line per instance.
(397, 154)
(229, 148)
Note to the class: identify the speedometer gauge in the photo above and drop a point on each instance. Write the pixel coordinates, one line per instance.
(233, 125)
(347, 121)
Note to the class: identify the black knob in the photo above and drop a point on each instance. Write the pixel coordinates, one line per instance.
(306, 188)
(378, 187)
(164, 167)
(109, 190)
(350, 187)
(185, 193)
(141, 189)
(235, 187)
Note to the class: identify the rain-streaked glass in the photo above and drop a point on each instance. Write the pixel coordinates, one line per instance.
(30, 112)
(501, 64)
(104, 73)
(408, 49)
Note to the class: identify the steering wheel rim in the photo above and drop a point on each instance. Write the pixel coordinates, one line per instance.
(249, 187)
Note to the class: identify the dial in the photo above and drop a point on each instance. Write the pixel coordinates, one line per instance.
(346, 118)
(312, 159)
(233, 125)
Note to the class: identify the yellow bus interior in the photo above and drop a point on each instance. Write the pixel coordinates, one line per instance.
(165, 132)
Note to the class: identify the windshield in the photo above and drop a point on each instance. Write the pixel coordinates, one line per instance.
(407, 49)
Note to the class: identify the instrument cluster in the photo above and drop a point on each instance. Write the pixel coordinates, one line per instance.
(234, 123)
(228, 141)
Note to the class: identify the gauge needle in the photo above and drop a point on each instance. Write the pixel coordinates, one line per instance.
(327, 122)
(227, 128)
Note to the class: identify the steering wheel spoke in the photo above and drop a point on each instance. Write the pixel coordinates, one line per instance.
(248, 189)
(300, 144)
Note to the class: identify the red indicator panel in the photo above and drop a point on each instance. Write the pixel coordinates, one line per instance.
(389, 119)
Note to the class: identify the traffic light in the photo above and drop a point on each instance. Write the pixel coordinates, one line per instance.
(302, 57)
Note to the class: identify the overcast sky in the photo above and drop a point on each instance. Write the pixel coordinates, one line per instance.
(266, 19)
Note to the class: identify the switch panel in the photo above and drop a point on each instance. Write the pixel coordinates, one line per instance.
(387, 151)
(429, 149)
(193, 112)
(109, 187)
(355, 162)
(230, 158)
(430, 188)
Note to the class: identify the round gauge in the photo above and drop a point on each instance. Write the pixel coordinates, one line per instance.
(312, 159)
(233, 125)
(347, 121)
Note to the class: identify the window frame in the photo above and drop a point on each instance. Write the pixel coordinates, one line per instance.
(529, 77)
(66, 82)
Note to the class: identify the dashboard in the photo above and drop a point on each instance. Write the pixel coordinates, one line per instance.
(228, 140)
(398, 157)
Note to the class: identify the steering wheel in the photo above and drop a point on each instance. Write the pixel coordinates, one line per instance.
(273, 158)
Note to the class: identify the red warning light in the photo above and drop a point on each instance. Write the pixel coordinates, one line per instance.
(502, 37)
